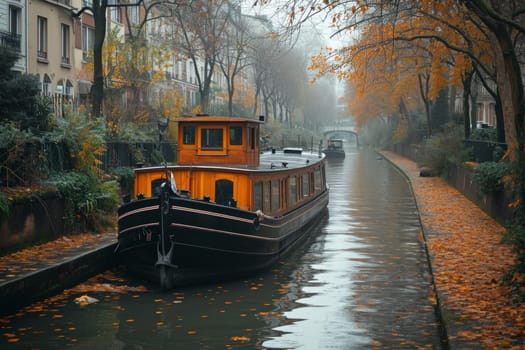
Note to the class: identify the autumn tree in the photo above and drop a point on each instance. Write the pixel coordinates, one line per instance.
(202, 29)
(99, 9)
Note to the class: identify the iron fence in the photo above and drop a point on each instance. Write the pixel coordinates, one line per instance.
(26, 164)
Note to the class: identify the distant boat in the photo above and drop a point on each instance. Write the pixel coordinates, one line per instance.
(334, 149)
(225, 210)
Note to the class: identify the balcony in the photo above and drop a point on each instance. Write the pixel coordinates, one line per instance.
(10, 40)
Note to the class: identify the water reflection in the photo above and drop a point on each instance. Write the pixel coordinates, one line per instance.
(361, 282)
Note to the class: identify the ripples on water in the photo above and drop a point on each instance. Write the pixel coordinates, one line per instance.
(361, 282)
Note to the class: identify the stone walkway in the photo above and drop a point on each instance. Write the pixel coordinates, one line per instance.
(468, 262)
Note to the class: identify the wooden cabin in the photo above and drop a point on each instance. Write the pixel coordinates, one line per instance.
(215, 140)
(219, 160)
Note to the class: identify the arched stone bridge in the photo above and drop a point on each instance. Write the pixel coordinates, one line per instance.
(334, 131)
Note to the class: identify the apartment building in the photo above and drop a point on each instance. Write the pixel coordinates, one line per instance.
(13, 34)
(50, 49)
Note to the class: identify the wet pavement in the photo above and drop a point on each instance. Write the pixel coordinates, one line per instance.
(361, 282)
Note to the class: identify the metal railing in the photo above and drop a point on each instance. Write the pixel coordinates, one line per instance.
(11, 40)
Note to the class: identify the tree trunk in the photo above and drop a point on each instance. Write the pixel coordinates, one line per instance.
(99, 13)
(466, 105)
(500, 123)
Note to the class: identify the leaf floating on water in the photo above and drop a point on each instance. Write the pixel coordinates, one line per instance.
(238, 338)
(84, 300)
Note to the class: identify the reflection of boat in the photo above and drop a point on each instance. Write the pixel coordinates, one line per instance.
(240, 210)
(334, 149)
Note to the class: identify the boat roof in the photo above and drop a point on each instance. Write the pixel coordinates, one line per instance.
(202, 119)
(269, 161)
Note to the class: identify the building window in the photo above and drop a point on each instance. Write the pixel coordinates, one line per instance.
(46, 86)
(42, 38)
(88, 40)
(15, 27)
(65, 44)
(115, 11)
(133, 14)
(15, 16)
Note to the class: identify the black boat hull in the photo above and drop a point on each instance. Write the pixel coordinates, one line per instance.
(197, 241)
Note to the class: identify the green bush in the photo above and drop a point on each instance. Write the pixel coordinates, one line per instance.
(126, 178)
(88, 199)
(489, 176)
(443, 149)
(4, 206)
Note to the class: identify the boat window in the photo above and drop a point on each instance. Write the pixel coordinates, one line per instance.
(257, 196)
(189, 135)
(211, 138)
(267, 191)
(223, 192)
(235, 135)
(292, 194)
(306, 185)
(284, 187)
(155, 187)
(275, 195)
(317, 180)
(323, 178)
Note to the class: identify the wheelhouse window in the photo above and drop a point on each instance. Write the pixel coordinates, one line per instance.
(189, 135)
(235, 135)
(212, 138)
(252, 138)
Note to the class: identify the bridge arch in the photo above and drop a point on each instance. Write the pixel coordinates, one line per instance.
(334, 132)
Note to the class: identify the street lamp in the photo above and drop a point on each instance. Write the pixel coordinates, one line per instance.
(162, 124)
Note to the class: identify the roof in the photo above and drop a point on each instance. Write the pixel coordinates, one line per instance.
(215, 119)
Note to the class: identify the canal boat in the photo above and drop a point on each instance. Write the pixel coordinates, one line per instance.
(334, 149)
(225, 210)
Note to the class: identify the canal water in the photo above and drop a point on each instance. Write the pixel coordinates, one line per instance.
(360, 282)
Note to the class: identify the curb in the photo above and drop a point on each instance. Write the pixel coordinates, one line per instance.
(445, 341)
(22, 291)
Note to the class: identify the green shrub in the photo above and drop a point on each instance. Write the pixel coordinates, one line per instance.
(126, 177)
(489, 176)
(443, 149)
(88, 199)
(4, 206)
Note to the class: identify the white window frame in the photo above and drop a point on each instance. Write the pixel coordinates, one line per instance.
(65, 41)
(42, 37)
(88, 41)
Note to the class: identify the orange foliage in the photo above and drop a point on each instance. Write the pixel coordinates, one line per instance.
(420, 38)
